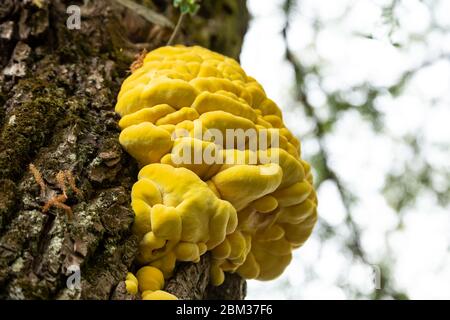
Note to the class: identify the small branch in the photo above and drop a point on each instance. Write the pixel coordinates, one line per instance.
(176, 30)
(147, 13)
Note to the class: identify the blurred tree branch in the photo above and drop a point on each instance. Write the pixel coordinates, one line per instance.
(401, 189)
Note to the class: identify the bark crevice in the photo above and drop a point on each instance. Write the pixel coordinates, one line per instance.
(58, 88)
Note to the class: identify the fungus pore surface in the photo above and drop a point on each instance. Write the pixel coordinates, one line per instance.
(219, 170)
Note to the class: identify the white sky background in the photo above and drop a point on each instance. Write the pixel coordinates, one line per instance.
(360, 156)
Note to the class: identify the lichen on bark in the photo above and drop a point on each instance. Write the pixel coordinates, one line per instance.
(57, 93)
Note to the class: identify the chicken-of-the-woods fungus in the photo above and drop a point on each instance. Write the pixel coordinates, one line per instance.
(220, 172)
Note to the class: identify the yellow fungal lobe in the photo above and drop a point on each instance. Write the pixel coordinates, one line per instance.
(158, 295)
(150, 278)
(131, 284)
(248, 199)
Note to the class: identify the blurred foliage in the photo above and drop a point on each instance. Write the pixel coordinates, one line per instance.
(187, 6)
(402, 188)
(404, 184)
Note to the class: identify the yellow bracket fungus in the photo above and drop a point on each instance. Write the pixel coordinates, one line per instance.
(249, 201)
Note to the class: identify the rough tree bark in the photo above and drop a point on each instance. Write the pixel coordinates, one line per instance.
(58, 88)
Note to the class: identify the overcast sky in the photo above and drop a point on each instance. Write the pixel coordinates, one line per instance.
(361, 157)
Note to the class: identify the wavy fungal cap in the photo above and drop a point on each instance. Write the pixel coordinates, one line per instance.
(248, 208)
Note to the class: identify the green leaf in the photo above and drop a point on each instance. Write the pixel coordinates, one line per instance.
(187, 6)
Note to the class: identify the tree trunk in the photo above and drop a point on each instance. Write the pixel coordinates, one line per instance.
(64, 179)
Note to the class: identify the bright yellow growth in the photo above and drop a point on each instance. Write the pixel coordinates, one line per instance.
(157, 295)
(131, 283)
(249, 211)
